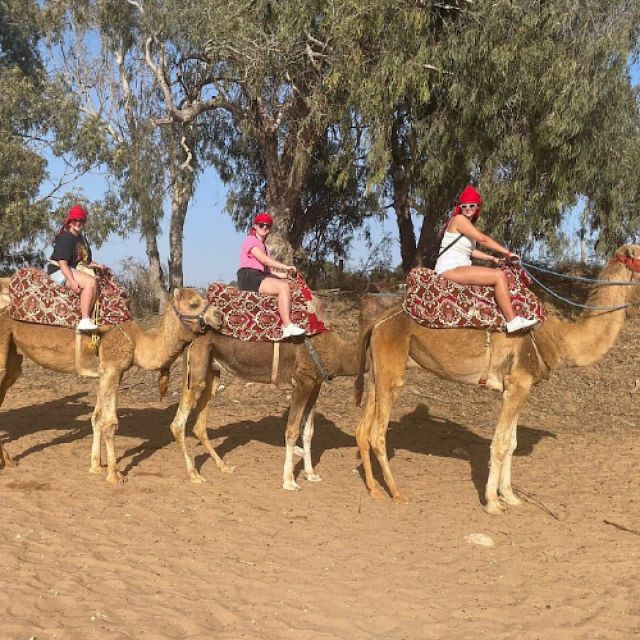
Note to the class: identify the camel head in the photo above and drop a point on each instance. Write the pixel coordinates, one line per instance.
(629, 256)
(194, 311)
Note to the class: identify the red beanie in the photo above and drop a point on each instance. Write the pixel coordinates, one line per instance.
(469, 196)
(263, 217)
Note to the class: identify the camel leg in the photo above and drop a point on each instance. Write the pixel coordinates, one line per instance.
(307, 437)
(304, 396)
(193, 383)
(202, 411)
(503, 445)
(106, 419)
(362, 438)
(505, 490)
(387, 372)
(96, 455)
(385, 399)
(10, 370)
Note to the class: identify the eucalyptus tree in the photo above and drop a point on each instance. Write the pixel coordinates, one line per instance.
(530, 100)
(277, 71)
(30, 108)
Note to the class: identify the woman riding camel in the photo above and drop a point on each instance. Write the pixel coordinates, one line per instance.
(71, 251)
(459, 246)
(255, 272)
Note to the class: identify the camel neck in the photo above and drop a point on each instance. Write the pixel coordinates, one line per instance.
(159, 347)
(586, 340)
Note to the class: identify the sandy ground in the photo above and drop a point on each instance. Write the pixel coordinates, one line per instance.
(238, 557)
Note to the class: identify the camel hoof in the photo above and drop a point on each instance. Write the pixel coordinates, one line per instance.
(96, 470)
(377, 493)
(116, 478)
(510, 498)
(298, 451)
(291, 486)
(400, 499)
(495, 509)
(313, 477)
(227, 468)
(196, 478)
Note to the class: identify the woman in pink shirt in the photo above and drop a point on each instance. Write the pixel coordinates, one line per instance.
(255, 275)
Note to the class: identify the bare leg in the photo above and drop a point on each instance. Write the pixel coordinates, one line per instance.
(487, 277)
(502, 445)
(280, 288)
(88, 293)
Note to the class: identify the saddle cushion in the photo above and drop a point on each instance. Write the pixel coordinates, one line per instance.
(35, 298)
(254, 317)
(434, 301)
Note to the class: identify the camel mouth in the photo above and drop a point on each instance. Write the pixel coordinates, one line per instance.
(213, 318)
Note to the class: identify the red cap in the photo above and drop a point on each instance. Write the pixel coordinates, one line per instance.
(263, 217)
(77, 212)
(469, 196)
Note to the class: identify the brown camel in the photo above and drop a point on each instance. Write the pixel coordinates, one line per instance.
(121, 347)
(511, 364)
(254, 361)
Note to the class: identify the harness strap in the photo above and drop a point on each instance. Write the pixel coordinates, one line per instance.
(633, 264)
(484, 376)
(316, 360)
(275, 363)
(543, 364)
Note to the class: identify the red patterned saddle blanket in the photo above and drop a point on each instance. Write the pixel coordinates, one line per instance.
(434, 301)
(34, 297)
(254, 317)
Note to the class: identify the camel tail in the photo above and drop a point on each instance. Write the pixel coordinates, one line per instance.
(163, 382)
(365, 340)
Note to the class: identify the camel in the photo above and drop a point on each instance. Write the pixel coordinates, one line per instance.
(121, 347)
(254, 361)
(511, 364)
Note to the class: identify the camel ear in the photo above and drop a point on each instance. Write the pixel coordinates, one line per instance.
(177, 294)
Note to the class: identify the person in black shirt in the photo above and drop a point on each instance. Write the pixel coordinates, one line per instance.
(71, 250)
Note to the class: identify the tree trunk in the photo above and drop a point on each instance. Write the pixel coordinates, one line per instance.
(155, 268)
(429, 242)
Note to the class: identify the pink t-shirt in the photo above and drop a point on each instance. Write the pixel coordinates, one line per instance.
(247, 261)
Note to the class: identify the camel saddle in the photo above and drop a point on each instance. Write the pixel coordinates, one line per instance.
(36, 298)
(254, 317)
(434, 301)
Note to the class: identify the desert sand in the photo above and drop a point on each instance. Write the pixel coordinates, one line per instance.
(237, 557)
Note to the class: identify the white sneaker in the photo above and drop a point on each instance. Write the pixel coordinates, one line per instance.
(519, 323)
(86, 324)
(292, 330)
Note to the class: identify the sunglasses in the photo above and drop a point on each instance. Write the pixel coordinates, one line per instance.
(264, 225)
(468, 206)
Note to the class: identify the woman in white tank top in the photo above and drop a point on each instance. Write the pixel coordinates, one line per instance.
(459, 246)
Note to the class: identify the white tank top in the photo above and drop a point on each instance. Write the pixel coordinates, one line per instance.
(458, 255)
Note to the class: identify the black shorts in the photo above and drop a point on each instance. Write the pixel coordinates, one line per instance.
(250, 279)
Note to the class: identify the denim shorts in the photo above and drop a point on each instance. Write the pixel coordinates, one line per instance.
(58, 277)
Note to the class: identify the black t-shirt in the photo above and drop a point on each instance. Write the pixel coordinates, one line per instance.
(72, 248)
